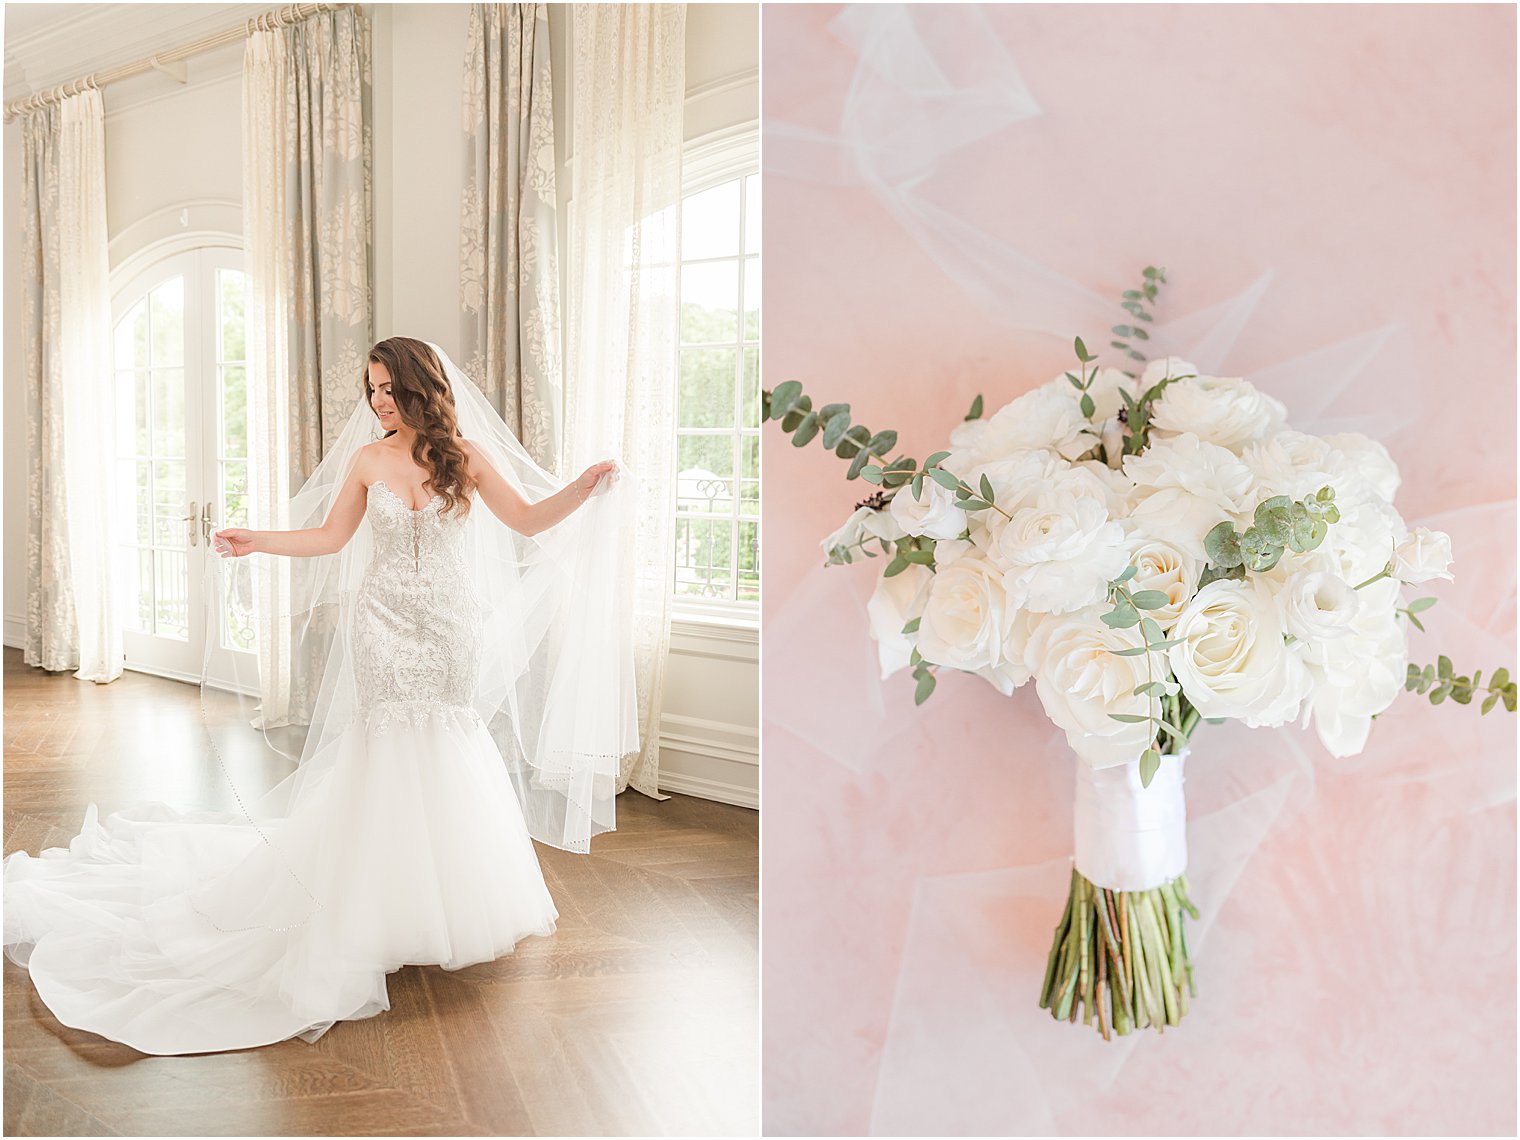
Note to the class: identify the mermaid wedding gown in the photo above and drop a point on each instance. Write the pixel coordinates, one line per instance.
(187, 933)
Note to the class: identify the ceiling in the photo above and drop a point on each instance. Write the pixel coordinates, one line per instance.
(49, 44)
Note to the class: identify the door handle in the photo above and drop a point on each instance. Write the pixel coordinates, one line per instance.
(190, 518)
(207, 523)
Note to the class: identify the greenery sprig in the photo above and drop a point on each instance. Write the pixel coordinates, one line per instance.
(1279, 524)
(1169, 723)
(1441, 681)
(1135, 302)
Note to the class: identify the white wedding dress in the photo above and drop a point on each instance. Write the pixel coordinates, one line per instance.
(193, 933)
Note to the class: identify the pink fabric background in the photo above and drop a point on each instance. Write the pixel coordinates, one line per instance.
(1360, 976)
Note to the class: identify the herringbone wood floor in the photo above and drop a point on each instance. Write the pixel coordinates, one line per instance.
(639, 1015)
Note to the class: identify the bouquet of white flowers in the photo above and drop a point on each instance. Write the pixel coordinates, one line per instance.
(1153, 549)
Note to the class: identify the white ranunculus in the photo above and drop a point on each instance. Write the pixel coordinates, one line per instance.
(1081, 682)
(1184, 487)
(947, 550)
(1318, 605)
(1223, 410)
(1425, 554)
(1166, 567)
(1046, 418)
(1358, 676)
(1358, 546)
(863, 524)
(1370, 460)
(1230, 656)
(1105, 389)
(897, 601)
(933, 515)
(1290, 463)
(1060, 552)
(1015, 480)
(967, 621)
(1167, 367)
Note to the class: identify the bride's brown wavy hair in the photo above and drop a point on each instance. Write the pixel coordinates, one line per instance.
(425, 402)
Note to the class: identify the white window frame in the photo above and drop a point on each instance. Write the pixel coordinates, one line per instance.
(707, 161)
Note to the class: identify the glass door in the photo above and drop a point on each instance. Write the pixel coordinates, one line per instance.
(181, 453)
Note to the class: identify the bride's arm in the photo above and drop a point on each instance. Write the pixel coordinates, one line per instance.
(344, 518)
(516, 512)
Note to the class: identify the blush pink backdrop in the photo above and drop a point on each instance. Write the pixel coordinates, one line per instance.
(1346, 176)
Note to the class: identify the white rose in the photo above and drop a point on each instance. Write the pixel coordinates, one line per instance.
(1424, 555)
(1358, 546)
(1167, 568)
(947, 550)
(863, 524)
(934, 515)
(897, 601)
(1318, 605)
(1358, 676)
(1184, 487)
(1222, 410)
(967, 622)
(1231, 658)
(1081, 682)
(1060, 552)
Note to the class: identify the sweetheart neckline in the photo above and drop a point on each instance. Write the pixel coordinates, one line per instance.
(399, 499)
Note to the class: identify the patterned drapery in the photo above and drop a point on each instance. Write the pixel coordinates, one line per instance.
(509, 287)
(308, 210)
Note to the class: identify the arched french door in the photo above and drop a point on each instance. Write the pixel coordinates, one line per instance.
(181, 454)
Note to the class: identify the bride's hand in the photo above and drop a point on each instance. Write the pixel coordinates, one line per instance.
(234, 542)
(593, 475)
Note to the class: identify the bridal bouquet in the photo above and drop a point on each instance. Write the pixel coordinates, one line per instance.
(1153, 548)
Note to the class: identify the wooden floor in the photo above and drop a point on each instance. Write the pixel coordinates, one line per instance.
(639, 1015)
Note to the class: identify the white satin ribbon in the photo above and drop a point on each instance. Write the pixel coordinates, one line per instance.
(1131, 838)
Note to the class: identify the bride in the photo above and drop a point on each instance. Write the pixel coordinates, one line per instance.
(466, 687)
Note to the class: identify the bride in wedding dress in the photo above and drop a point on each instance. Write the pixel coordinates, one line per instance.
(449, 631)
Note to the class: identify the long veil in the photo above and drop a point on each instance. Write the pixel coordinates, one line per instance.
(555, 686)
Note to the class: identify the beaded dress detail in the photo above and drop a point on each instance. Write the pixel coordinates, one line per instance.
(188, 933)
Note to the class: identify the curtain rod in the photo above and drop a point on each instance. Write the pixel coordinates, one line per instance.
(277, 18)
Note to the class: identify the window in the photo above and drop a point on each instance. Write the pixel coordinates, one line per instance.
(718, 400)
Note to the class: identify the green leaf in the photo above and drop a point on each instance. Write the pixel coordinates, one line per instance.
(912, 626)
(1443, 667)
(976, 408)
(1509, 698)
(1499, 679)
(925, 687)
(920, 557)
(1223, 546)
(1122, 330)
(871, 474)
(895, 478)
(1150, 688)
(853, 441)
(1139, 333)
(1135, 652)
(882, 442)
(895, 567)
(1417, 623)
(1075, 383)
(1489, 702)
(946, 480)
(1150, 273)
(1150, 764)
(1150, 599)
(1150, 630)
(1088, 407)
(1420, 605)
(1129, 572)
(918, 486)
(784, 396)
(1438, 694)
(1122, 617)
(1128, 719)
(1082, 351)
(936, 459)
(862, 457)
(1132, 294)
(987, 489)
(972, 504)
(806, 430)
(834, 429)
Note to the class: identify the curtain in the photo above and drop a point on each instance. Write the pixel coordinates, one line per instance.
(72, 618)
(307, 210)
(625, 140)
(509, 287)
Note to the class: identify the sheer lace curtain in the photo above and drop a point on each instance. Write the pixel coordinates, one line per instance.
(72, 617)
(509, 288)
(307, 209)
(628, 89)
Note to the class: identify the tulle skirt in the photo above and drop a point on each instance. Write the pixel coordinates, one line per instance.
(188, 933)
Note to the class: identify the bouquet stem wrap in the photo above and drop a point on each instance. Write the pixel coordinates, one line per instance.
(1131, 838)
(1120, 954)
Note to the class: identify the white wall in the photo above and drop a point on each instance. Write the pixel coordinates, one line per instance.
(170, 148)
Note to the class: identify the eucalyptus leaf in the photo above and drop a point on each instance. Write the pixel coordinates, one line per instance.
(882, 442)
(924, 688)
(1150, 599)
(936, 459)
(1150, 764)
(1223, 546)
(946, 480)
(871, 474)
(834, 429)
(976, 408)
(1126, 718)
(987, 489)
(895, 567)
(1088, 407)
(783, 397)
(806, 430)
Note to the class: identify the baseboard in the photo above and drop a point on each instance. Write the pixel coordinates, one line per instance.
(718, 790)
(15, 631)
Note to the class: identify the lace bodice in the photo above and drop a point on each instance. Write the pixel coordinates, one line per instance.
(416, 636)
